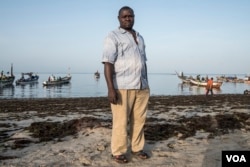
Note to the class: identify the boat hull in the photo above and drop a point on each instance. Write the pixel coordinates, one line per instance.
(7, 81)
(34, 79)
(247, 82)
(184, 79)
(216, 85)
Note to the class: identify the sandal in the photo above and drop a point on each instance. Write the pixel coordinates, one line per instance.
(122, 159)
(141, 154)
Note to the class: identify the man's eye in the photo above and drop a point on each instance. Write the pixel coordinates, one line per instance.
(124, 17)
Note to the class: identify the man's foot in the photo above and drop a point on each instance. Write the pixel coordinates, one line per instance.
(141, 154)
(120, 158)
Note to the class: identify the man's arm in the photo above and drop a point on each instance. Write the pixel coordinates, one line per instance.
(108, 72)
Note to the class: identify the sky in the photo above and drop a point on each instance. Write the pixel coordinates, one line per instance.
(193, 36)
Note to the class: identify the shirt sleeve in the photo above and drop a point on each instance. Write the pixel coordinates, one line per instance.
(109, 50)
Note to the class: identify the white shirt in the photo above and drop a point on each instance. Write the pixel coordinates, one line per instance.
(129, 59)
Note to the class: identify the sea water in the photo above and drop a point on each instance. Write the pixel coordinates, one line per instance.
(86, 85)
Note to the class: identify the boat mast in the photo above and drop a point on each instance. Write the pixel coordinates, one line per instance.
(11, 70)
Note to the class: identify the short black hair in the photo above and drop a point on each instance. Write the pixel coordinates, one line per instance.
(125, 8)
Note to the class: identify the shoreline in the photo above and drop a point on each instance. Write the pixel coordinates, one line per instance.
(151, 96)
(188, 130)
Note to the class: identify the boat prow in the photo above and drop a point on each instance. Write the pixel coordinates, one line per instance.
(183, 78)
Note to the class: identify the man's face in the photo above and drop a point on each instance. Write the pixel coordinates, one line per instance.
(126, 19)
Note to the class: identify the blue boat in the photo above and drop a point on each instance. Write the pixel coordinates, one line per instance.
(32, 78)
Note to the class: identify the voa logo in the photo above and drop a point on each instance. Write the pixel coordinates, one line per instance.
(236, 158)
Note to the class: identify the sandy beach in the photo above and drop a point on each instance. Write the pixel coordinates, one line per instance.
(180, 131)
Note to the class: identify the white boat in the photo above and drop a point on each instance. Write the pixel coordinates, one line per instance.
(52, 80)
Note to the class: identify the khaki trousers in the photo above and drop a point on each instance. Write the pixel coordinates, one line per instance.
(131, 109)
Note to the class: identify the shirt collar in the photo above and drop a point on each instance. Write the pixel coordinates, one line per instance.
(123, 31)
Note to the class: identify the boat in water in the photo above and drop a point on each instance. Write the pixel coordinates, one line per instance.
(232, 79)
(198, 81)
(32, 78)
(7, 80)
(97, 75)
(52, 80)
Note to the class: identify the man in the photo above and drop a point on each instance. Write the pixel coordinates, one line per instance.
(209, 86)
(125, 72)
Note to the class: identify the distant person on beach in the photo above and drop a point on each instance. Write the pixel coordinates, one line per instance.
(125, 71)
(209, 86)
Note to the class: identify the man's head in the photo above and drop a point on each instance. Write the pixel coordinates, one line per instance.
(126, 18)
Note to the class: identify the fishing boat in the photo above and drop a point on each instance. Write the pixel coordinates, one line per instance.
(6, 80)
(32, 78)
(97, 75)
(247, 79)
(216, 84)
(52, 80)
(232, 79)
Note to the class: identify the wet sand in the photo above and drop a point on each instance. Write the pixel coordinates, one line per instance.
(180, 130)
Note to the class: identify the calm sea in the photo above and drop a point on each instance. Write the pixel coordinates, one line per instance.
(85, 85)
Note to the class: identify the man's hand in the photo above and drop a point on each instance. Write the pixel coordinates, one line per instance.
(112, 96)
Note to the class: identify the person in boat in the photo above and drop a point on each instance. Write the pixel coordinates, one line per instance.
(209, 86)
(128, 90)
(30, 75)
(22, 77)
(2, 75)
(181, 74)
(198, 78)
(52, 78)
